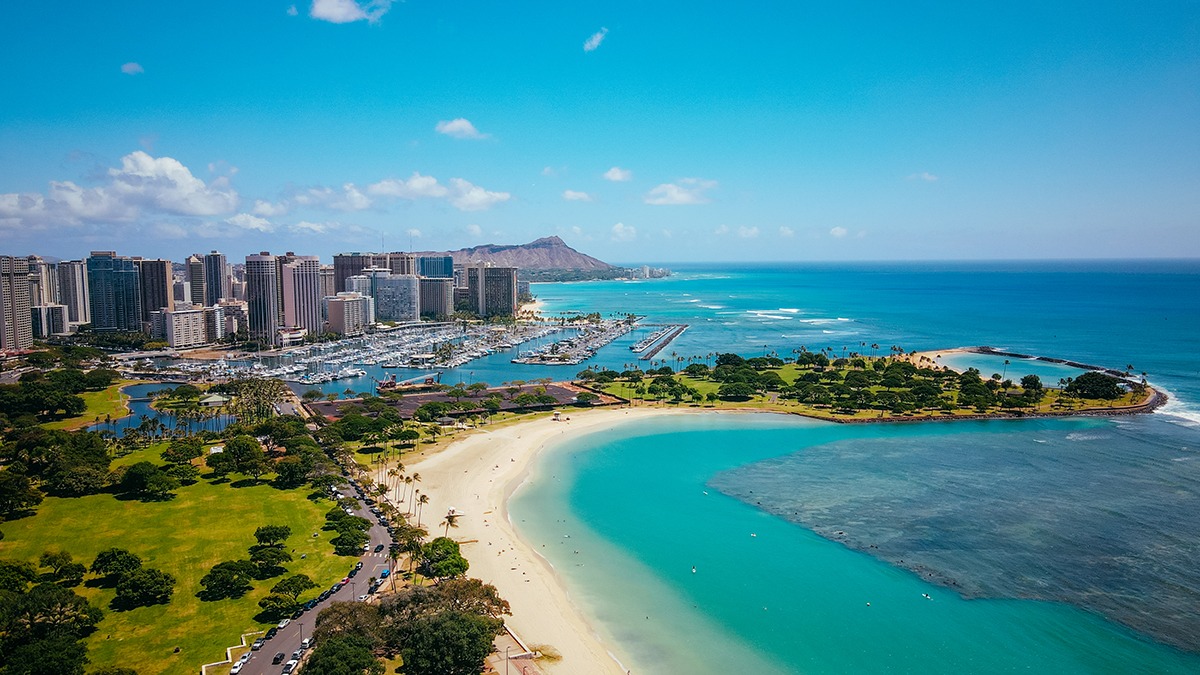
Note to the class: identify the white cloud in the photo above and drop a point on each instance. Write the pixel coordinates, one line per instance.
(785, 231)
(577, 230)
(349, 198)
(924, 175)
(747, 232)
(132, 68)
(685, 191)
(347, 11)
(460, 127)
(269, 209)
(618, 175)
(469, 197)
(594, 41)
(575, 196)
(246, 221)
(838, 232)
(416, 186)
(666, 234)
(623, 232)
(474, 230)
(721, 230)
(549, 171)
(413, 232)
(292, 11)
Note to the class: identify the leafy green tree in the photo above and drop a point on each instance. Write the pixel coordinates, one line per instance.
(70, 575)
(55, 560)
(53, 655)
(16, 575)
(350, 542)
(350, 654)
(1095, 386)
(183, 451)
(147, 481)
(115, 562)
(293, 586)
(276, 606)
(185, 474)
(269, 560)
(735, 391)
(220, 464)
(146, 586)
(272, 535)
(442, 559)
(448, 643)
(292, 471)
(17, 494)
(230, 579)
(48, 609)
(349, 618)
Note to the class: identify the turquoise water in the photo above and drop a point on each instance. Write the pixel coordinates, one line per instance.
(1048, 525)
(139, 407)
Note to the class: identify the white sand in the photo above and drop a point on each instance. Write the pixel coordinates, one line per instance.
(476, 476)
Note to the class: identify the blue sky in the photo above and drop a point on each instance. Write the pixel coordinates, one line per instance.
(637, 131)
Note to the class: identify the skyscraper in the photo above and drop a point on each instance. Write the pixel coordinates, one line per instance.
(397, 297)
(262, 299)
(43, 282)
(346, 265)
(437, 297)
(16, 325)
(435, 266)
(73, 291)
(196, 280)
(216, 279)
(493, 290)
(302, 294)
(156, 281)
(115, 292)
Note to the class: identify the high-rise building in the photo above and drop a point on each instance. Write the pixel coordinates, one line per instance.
(43, 281)
(47, 320)
(347, 313)
(397, 263)
(156, 281)
(435, 266)
(301, 284)
(437, 297)
(262, 298)
(397, 297)
(346, 265)
(114, 291)
(214, 323)
(216, 279)
(328, 285)
(73, 291)
(16, 328)
(493, 290)
(196, 280)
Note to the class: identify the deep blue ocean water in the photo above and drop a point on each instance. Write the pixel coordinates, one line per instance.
(1045, 545)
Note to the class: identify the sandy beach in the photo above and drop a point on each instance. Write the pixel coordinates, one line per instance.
(476, 476)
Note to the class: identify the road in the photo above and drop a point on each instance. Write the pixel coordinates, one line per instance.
(287, 640)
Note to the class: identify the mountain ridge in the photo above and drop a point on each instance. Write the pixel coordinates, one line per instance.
(546, 253)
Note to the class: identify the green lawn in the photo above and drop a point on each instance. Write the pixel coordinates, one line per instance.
(205, 524)
(109, 401)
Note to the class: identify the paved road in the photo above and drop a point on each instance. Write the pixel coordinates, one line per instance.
(287, 640)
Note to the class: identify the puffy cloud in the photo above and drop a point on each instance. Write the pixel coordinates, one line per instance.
(246, 221)
(413, 232)
(721, 230)
(349, 198)
(348, 11)
(132, 68)
(459, 128)
(575, 196)
(594, 41)
(838, 232)
(747, 232)
(142, 184)
(415, 187)
(924, 175)
(469, 197)
(685, 191)
(549, 171)
(292, 11)
(474, 230)
(269, 209)
(618, 175)
(785, 231)
(623, 232)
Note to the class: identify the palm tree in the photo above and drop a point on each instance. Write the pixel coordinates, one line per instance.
(451, 520)
(414, 479)
(421, 502)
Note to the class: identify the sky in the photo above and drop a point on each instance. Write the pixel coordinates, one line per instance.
(636, 131)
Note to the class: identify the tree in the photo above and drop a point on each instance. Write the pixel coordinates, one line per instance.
(147, 481)
(586, 398)
(448, 643)
(269, 560)
(735, 390)
(17, 494)
(272, 535)
(143, 587)
(442, 559)
(1031, 383)
(114, 563)
(293, 586)
(349, 618)
(277, 605)
(349, 654)
(230, 579)
(54, 655)
(16, 575)
(55, 560)
(1095, 385)
(182, 451)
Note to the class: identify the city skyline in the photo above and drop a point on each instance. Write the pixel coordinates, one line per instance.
(670, 133)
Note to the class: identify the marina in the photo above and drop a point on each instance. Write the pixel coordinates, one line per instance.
(579, 348)
(654, 344)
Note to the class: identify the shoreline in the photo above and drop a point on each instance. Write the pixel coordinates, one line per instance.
(542, 611)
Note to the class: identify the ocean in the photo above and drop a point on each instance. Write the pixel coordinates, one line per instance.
(1064, 545)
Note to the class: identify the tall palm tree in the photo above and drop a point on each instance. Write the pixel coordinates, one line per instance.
(421, 502)
(416, 478)
(451, 520)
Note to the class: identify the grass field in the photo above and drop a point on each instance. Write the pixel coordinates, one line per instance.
(205, 524)
(109, 401)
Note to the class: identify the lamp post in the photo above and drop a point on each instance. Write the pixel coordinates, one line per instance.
(506, 648)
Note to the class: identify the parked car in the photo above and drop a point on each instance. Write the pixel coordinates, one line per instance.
(237, 668)
(358, 565)
(258, 644)
(271, 632)
(290, 666)
(284, 624)
(385, 574)
(279, 657)
(306, 643)
(377, 548)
